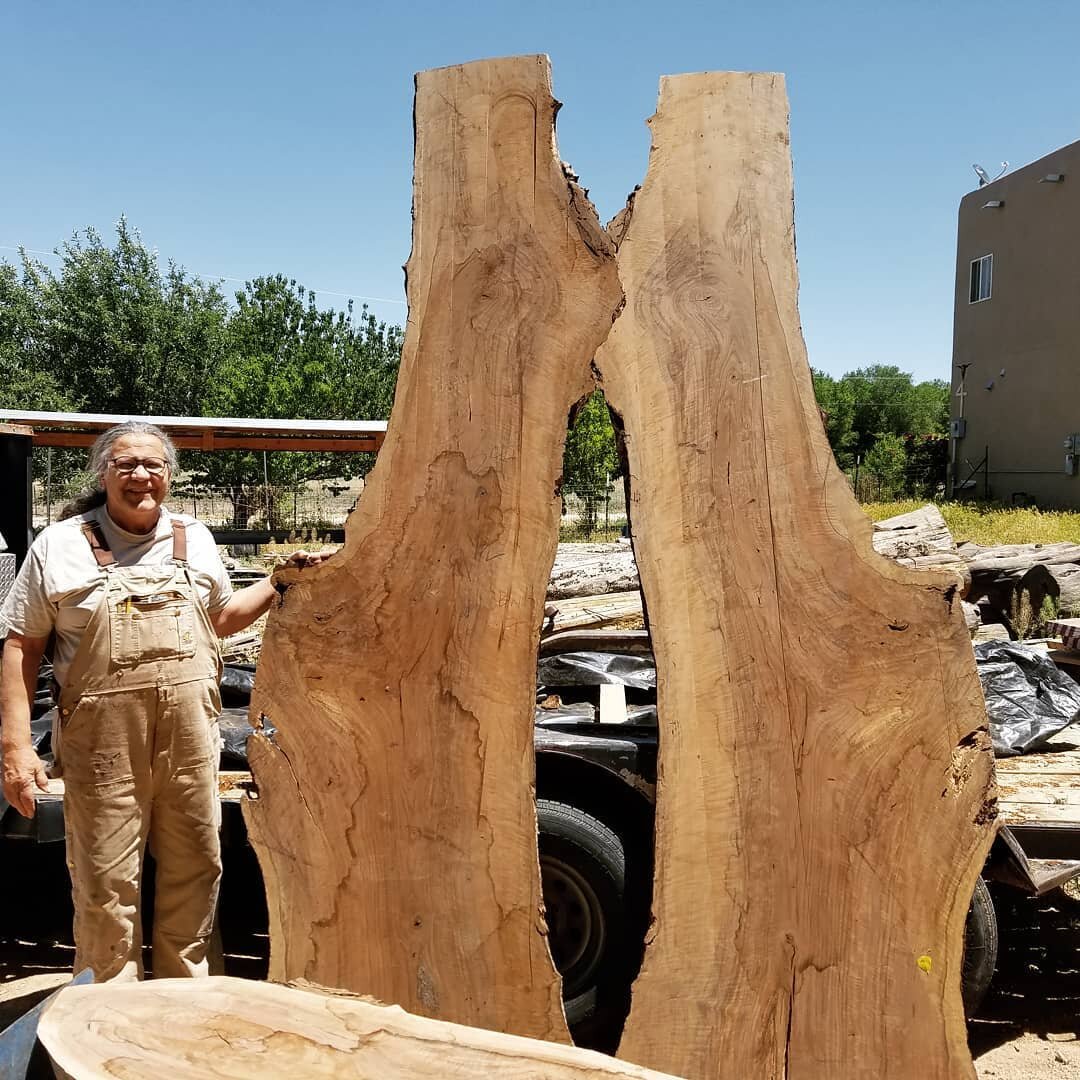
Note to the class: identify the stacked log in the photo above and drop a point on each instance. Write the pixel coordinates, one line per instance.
(1004, 588)
(1039, 569)
(920, 539)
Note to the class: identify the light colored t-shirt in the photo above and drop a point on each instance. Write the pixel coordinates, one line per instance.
(60, 583)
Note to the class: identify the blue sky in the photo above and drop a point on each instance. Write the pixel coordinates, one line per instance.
(250, 138)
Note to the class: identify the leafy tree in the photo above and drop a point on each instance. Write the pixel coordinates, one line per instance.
(23, 384)
(590, 459)
(117, 333)
(887, 461)
(881, 415)
(286, 359)
(836, 398)
(887, 400)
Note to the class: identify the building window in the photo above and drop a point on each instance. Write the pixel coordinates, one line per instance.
(982, 271)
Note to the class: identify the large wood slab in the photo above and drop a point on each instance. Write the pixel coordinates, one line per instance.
(396, 825)
(207, 1029)
(825, 792)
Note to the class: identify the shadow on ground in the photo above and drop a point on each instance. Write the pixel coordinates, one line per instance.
(1036, 985)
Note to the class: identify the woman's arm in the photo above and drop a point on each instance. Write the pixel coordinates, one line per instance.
(18, 684)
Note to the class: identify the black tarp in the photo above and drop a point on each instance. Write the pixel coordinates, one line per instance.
(1028, 698)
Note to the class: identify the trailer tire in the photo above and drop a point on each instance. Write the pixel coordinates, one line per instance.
(980, 949)
(583, 873)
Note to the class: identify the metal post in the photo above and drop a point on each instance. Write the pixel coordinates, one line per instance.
(17, 505)
(266, 489)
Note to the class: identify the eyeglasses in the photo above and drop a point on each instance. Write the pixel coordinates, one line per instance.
(127, 465)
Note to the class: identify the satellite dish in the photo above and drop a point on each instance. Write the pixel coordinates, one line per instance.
(985, 178)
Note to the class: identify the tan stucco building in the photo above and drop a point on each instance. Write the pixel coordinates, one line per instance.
(1016, 333)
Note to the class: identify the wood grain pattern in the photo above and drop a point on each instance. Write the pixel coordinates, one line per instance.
(396, 825)
(825, 795)
(231, 1028)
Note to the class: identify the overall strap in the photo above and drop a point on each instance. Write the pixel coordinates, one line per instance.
(179, 542)
(98, 544)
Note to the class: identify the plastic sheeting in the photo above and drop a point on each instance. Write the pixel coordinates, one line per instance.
(1028, 699)
(237, 682)
(595, 669)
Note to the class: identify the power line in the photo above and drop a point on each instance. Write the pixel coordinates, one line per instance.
(223, 277)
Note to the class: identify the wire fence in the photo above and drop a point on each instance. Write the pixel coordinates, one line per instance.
(910, 483)
(321, 504)
(593, 514)
(590, 514)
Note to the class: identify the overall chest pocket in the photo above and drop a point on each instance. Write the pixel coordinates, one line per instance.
(159, 626)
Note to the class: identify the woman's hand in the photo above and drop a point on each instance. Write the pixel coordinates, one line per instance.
(22, 770)
(300, 559)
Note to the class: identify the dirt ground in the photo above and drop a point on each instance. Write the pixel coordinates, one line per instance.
(1027, 1029)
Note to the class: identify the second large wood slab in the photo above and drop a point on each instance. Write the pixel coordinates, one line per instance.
(396, 826)
(825, 791)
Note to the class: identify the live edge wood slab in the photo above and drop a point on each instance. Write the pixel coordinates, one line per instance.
(234, 1029)
(825, 794)
(396, 822)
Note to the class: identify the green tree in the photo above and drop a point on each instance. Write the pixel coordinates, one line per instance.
(117, 333)
(590, 459)
(285, 358)
(24, 383)
(887, 462)
(874, 413)
(887, 400)
(836, 398)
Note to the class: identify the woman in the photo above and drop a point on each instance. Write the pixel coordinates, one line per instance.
(137, 598)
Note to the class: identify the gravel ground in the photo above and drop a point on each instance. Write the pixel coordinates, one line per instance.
(1027, 1028)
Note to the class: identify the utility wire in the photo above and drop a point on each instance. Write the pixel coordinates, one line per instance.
(223, 277)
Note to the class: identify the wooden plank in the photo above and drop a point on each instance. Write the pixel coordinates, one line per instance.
(825, 796)
(1068, 630)
(1058, 762)
(1044, 794)
(399, 847)
(206, 1029)
(596, 611)
(1038, 813)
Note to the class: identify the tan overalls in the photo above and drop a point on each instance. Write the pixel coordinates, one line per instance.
(137, 740)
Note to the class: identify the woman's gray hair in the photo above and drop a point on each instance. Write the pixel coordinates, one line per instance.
(102, 448)
(100, 453)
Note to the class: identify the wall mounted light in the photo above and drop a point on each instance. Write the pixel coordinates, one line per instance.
(1052, 178)
(993, 204)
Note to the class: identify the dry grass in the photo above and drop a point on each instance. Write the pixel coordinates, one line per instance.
(989, 524)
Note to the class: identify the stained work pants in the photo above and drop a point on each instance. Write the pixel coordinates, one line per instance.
(141, 766)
